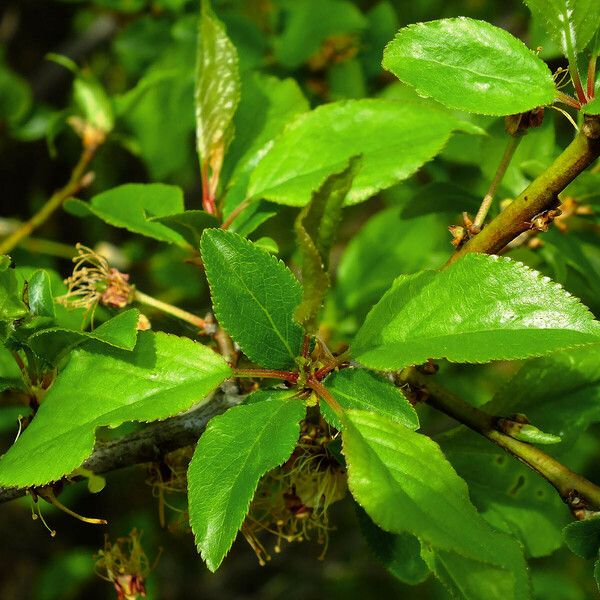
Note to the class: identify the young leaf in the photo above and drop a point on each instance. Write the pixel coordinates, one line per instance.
(479, 309)
(406, 485)
(571, 23)
(11, 305)
(470, 65)
(361, 389)
(132, 205)
(163, 376)
(217, 90)
(399, 553)
(234, 452)
(254, 298)
(394, 139)
(316, 227)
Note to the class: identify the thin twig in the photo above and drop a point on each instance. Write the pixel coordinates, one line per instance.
(54, 203)
(152, 442)
(511, 147)
(169, 309)
(569, 484)
(539, 196)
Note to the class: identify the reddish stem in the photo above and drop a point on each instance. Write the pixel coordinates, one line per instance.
(568, 100)
(234, 213)
(591, 77)
(325, 394)
(267, 374)
(208, 202)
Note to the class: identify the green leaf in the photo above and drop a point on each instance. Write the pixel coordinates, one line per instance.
(189, 224)
(509, 495)
(583, 537)
(266, 106)
(399, 553)
(132, 205)
(361, 389)
(470, 579)
(254, 297)
(11, 305)
(546, 390)
(234, 452)
(481, 308)
(406, 485)
(39, 295)
(119, 332)
(571, 23)
(394, 139)
(470, 65)
(217, 90)
(316, 228)
(163, 376)
(592, 108)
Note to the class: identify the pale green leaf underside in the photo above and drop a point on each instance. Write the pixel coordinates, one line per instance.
(394, 139)
(571, 23)
(254, 298)
(163, 376)
(481, 308)
(234, 452)
(361, 389)
(470, 65)
(405, 484)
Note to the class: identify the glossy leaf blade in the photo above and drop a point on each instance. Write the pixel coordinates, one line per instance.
(361, 389)
(394, 139)
(481, 308)
(470, 65)
(571, 23)
(217, 90)
(254, 298)
(234, 452)
(163, 376)
(406, 485)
